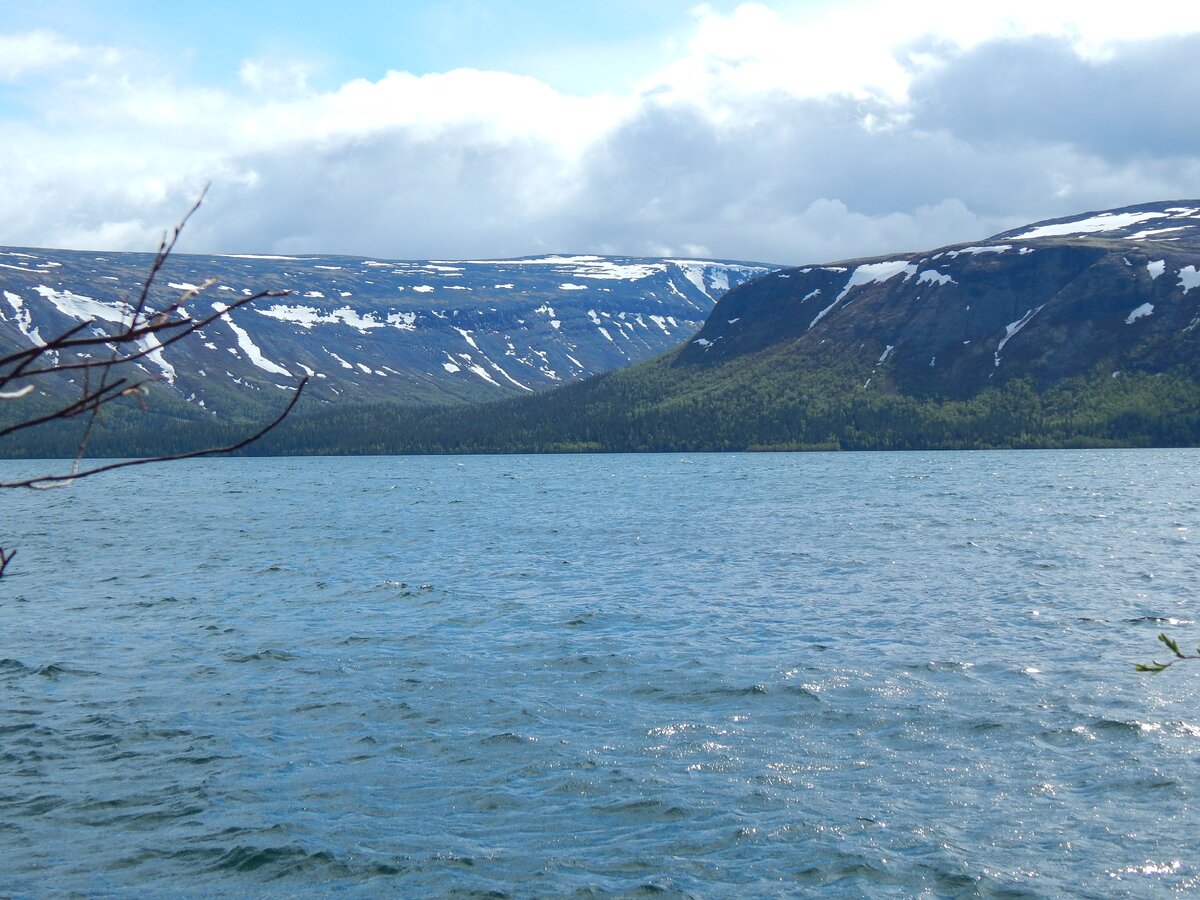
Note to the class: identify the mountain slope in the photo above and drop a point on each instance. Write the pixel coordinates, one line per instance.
(1045, 302)
(1073, 332)
(1078, 331)
(374, 329)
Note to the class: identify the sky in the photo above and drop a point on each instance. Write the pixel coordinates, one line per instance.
(786, 132)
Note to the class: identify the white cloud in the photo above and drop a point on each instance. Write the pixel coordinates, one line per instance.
(782, 132)
(755, 49)
(273, 77)
(495, 104)
(34, 51)
(1092, 28)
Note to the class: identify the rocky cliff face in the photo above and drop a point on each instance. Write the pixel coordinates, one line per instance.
(376, 329)
(1118, 289)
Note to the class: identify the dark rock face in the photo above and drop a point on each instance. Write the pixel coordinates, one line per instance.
(1117, 289)
(377, 329)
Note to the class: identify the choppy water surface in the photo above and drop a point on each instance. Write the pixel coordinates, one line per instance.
(880, 674)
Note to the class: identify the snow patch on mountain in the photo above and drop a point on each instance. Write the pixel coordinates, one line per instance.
(262, 256)
(873, 273)
(1097, 224)
(405, 321)
(478, 369)
(932, 276)
(694, 272)
(1141, 312)
(340, 361)
(712, 278)
(309, 316)
(249, 347)
(85, 309)
(1152, 233)
(24, 319)
(1011, 330)
(975, 251)
(867, 273)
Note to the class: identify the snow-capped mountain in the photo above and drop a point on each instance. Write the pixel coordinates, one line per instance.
(373, 328)
(1082, 331)
(1116, 289)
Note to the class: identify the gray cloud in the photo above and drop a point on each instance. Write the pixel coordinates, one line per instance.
(1139, 102)
(992, 137)
(794, 181)
(388, 194)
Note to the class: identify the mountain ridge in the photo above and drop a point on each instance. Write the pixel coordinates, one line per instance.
(407, 330)
(1076, 331)
(1020, 304)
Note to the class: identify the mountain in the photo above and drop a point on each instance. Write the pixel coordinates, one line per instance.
(1081, 331)
(1044, 302)
(370, 329)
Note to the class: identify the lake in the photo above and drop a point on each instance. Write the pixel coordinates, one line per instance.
(708, 675)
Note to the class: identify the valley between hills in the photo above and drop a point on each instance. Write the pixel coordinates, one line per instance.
(1075, 332)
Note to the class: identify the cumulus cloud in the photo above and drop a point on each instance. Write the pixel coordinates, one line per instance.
(1133, 102)
(34, 51)
(274, 77)
(773, 135)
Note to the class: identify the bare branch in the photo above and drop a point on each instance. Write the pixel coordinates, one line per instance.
(87, 403)
(26, 357)
(48, 481)
(192, 325)
(165, 248)
(48, 347)
(144, 332)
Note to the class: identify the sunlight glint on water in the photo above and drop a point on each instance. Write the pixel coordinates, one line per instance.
(860, 674)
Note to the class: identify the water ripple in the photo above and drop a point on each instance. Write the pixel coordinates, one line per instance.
(769, 675)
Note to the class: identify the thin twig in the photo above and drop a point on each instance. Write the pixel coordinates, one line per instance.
(148, 331)
(1154, 667)
(192, 326)
(165, 247)
(86, 403)
(31, 353)
(48, 481)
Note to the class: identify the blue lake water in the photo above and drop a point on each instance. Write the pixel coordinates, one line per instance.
(709, 675)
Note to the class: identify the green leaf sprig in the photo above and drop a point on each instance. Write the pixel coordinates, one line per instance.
(1154, 667)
